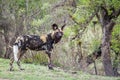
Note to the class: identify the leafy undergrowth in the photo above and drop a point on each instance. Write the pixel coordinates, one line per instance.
(38, 72)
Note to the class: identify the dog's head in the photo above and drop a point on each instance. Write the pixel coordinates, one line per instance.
(57, 33)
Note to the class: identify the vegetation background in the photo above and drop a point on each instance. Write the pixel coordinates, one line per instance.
(90, 24)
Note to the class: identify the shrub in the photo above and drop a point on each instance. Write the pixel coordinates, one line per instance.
(39, 58)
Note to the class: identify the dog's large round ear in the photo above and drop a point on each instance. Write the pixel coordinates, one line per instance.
(63, 26)
(54, 26)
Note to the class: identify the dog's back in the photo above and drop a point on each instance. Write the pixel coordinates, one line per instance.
(33, 42)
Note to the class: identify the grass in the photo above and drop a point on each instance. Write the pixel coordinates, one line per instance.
(38, 72)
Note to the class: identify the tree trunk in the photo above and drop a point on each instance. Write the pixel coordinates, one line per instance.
(7, 41)
(115, 64)
(107, 29)
(1, 45)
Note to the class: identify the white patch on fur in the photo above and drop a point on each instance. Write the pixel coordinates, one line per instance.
(15, 51)
(19, 43)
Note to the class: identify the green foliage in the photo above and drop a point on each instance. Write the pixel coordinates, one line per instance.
(85, 7)
(93, 4)
(46, 6)
(92, 38)
(38, 22)
(28, 60)
(68, 31)
(95, 44)
(115, 3)
(81, 14)
(56, 63)
(39, 58)
(83, 2)
(116, 39)
(115, 45)
(21, 3)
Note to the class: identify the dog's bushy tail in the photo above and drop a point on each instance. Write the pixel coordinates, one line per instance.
(15, 52)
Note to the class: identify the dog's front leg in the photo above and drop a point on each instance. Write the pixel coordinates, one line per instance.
(50, 66)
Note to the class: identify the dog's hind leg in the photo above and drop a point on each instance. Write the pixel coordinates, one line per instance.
(14, 56)
(11, 63)
(21, 53)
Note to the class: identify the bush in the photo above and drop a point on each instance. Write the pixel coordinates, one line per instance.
(39, 58)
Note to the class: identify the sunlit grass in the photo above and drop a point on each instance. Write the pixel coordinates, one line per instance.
(38, 72)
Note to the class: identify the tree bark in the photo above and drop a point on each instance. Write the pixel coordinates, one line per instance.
(107, 22)
(8, 49)
(1, 45)
(107, 29)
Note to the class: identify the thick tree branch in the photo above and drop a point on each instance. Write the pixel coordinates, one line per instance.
(98, 17)
(62, 3)
(111, 25)
(114, 13)
(3, 24)
(104, 11)
(35, 12)
(1, 33)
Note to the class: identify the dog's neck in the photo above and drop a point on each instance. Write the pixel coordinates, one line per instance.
(52, 39)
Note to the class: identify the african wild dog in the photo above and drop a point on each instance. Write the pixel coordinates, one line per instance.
(37, 43)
